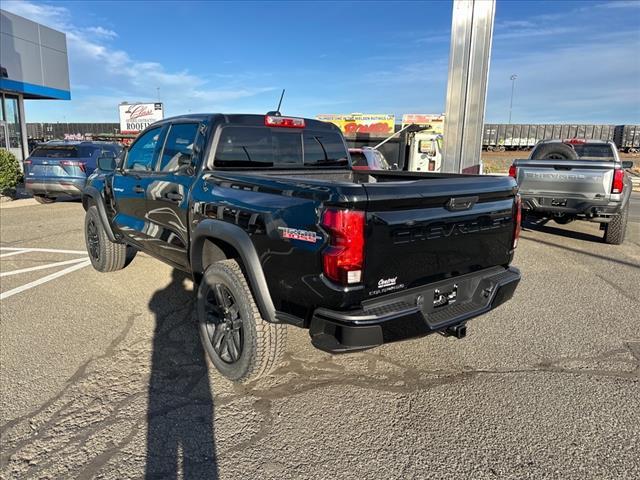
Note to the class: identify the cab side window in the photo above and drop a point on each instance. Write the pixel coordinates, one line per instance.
(178, 149)
(142, 153)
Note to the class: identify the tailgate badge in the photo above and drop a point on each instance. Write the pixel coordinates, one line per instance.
(461, 203)
(440, 298)
(297, 234)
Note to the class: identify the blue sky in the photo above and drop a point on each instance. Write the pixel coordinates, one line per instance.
(576, 61)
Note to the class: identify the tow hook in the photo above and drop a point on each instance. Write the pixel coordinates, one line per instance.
(459, 331)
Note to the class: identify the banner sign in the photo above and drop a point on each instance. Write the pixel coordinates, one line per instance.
(375, 124)
(135, 117)
(436, 122)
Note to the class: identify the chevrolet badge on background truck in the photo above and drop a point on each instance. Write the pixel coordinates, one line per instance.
(576, 180)
(267, 216)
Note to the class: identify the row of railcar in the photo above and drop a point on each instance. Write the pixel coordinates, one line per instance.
(502, 136)
(60, 131)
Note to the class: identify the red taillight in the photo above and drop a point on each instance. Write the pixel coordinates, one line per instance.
(344, 257)
(618, 181)
(517, 215)
(513, 171)
(575, 141)
(286, 122)
(72, 163)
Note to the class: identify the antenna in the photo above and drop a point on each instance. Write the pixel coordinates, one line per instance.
(280, 102)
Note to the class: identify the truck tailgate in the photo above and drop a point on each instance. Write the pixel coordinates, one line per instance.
(429, 230)
(579, 179)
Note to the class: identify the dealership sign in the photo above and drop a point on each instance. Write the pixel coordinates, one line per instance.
(372, 123)
(135, 117)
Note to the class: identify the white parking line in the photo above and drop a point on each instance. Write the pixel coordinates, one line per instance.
(46, 250)
(16, 252)
(48, 278)
(42, 267)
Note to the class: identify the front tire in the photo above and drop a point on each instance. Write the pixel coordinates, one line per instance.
(105, 255)
(615, 230)
(240, 343)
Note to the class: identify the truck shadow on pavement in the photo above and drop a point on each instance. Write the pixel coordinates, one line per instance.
(180, 414)
(561, 232)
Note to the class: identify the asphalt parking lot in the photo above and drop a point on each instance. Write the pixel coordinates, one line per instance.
(103, 375)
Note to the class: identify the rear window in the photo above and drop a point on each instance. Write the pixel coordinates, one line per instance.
(358, 159)
(66, 151)
(595, 150)
(55, 152)
(585, 151)
(261, 147)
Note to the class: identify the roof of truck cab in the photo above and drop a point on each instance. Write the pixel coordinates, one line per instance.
(582, 140)
(242, 119)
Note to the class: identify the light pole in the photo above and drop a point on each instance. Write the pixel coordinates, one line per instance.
(513, 87)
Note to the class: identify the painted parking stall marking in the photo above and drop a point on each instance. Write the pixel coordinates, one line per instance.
(80, 261)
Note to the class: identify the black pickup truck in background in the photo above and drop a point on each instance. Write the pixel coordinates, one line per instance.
(275, 228)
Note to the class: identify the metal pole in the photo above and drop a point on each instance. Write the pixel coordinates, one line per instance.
(513, 86)
(470, 52)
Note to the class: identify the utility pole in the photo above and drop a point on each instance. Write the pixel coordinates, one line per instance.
(513, 87)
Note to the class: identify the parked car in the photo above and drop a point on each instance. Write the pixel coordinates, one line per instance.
(267, 216)
(576, 179)
(368, 158)
(60, 168)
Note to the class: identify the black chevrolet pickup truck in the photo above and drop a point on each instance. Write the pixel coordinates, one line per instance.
(266, 214)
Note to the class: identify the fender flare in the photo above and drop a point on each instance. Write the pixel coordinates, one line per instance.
(94, 194)
(241, 242)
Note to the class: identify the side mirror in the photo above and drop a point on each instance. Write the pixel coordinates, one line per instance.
(627, 164)
(107, 162)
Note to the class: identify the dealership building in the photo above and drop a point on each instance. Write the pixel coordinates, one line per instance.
(33, 66)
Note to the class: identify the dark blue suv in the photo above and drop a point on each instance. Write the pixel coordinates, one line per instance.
(59, 168)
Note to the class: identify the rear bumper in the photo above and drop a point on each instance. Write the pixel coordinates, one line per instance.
(569, 206)
(55, 187)
(411, 314)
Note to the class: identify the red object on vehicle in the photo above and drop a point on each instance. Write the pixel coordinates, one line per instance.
(344, 258)
(575, 141)
(286, 122)
(72, 163)
(518, 217)
(513, 171)
(618, 181)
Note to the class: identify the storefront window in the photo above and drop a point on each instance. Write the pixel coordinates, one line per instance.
(11, 123)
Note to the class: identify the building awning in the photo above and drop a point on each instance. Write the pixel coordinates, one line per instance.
(32, 91)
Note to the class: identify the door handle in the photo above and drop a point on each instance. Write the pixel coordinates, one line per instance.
(176, 197)
(138, 189)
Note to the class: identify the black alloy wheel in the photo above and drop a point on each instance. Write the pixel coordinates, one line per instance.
(93, 239)
(223, 323)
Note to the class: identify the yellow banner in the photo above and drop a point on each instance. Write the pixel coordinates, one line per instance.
(374, 123)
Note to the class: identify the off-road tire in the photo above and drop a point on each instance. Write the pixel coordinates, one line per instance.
(263, 343)
(105, 256)
(615, 230)
(44, 199)
(554, 151)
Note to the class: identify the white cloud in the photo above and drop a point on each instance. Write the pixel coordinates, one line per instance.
(101, 32)
(113, 75)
